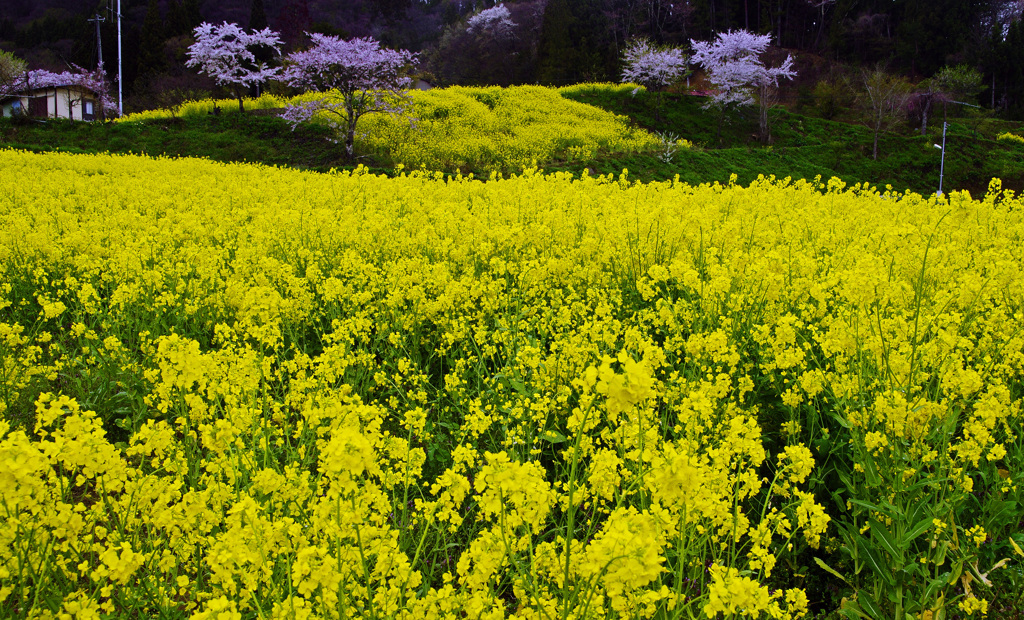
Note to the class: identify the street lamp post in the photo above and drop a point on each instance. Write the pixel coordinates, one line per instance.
(942, 162)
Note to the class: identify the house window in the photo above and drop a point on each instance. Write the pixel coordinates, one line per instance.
(16, 107)
(89, 110)
(37, 106)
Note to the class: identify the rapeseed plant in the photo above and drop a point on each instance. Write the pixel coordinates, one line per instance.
(248, 392)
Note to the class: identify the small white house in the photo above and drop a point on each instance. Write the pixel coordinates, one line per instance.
(68, 101)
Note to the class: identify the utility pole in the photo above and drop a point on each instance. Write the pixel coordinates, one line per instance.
(120, 77)
(99, 39)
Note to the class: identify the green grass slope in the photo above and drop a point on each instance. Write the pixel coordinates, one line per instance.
(804, 146)
(236, 137)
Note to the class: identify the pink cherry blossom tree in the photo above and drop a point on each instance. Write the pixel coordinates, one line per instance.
(354, 78)
(653, 67)
(226, 53)
(734, 66)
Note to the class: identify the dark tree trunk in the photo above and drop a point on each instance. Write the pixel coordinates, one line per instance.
(924, 115)
(350, 136)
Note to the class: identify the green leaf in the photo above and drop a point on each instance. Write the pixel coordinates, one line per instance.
(909, 571)
(882, 536)
(955, 573)
(1001, 513)
(877, 566)
(934, 586)
(870, 506)
(551, 436)
(852, 611)
(869, 604)
(829, 569)
(871, 472)
(940, 556)
(919, 528)
(841, 421)
(893, 512)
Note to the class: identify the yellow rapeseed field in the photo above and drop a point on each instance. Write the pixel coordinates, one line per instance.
(489, 128)
(498, 128)
(237, 391)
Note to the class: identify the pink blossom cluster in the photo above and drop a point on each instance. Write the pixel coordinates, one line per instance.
(734, 67)
(301, 112)
(225, 53)
(332, 63)
(356, 77)
(495, 21)
(651, 66)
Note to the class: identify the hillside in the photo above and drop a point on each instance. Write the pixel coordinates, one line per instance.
(804, 146)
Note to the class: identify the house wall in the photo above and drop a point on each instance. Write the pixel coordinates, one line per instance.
(61, 102)
(7, 107)
(65, 103)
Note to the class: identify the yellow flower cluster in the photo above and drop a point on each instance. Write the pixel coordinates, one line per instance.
(497, 128)
(259, 392)
(203, 107)
(1010, 137)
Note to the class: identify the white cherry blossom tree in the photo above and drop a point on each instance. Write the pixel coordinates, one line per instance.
(495, 21)
(226, 53)
(653, 67)
(734, 66)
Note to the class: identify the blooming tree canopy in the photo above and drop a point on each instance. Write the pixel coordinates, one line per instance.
(495, 21)
(652, 67)
(226, 54)
(733, 64)
(355, 77)
(12, 69)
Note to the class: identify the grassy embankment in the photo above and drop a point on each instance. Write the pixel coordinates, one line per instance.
(804, 146)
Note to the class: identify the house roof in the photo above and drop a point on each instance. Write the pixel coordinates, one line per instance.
(29, 92)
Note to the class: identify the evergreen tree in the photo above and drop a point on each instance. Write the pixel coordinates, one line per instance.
(295, 22)
(193, 16)
(392, 10)
(557, 54)
(7, 29)
(177, 22)
(575, 43)
(451, 13)
(258, 16)
(932, 33)
(182, 17)
(263, 53)
(1006, 68)
(151, 43)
